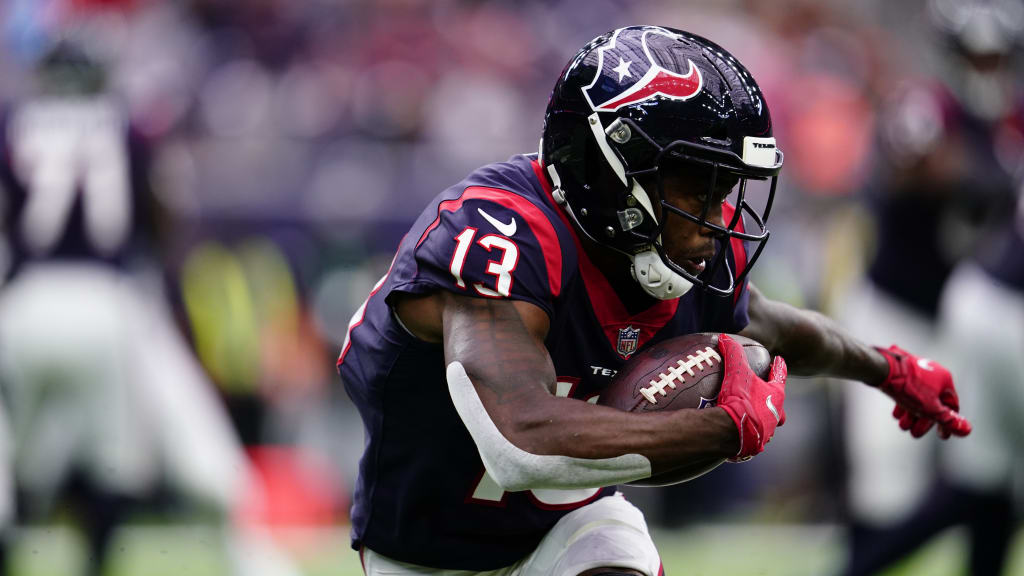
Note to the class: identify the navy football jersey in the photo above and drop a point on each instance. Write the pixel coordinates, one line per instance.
(423, 495)
(71, 181)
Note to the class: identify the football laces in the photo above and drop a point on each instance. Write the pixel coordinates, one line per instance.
(706, 357)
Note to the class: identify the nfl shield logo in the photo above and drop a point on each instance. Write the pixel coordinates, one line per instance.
(629, 337)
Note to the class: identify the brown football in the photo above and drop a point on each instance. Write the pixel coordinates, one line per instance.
(678, 373)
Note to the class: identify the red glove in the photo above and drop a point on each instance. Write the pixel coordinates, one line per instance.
(924, 394)
(754, 405)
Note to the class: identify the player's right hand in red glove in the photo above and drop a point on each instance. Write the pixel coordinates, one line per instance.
(755, 406)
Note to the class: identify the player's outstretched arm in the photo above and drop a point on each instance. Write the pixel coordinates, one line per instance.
(814, 344)
(501, 381)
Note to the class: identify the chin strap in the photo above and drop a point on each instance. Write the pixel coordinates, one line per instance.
(648, 269)
(653, 275)
(656, 278)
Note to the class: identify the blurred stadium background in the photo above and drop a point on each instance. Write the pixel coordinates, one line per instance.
(291, 144)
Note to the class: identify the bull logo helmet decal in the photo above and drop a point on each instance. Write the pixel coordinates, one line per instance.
(637, 76)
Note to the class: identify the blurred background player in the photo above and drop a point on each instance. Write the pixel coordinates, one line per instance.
(72, 222)
(980, 335)
(943, 174)
(107, 407)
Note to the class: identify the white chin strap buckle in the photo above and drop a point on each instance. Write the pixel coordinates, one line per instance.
(656, 278)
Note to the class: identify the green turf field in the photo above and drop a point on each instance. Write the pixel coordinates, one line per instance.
(709, 550)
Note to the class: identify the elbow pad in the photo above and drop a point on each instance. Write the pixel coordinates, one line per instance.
(515, 469)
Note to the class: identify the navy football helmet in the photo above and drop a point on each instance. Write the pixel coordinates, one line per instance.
(635, 103)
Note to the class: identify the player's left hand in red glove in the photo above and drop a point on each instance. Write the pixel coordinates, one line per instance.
(924, 394)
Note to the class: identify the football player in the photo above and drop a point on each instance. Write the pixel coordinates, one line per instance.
(105, 398)
(981, 333)
(74, 221)
(519, 292)
(948, 149)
